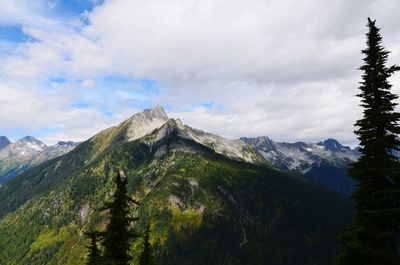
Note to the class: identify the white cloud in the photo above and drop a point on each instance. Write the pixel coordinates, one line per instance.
(24, 12)
(35, 109)
(281, 68)
(286, 69)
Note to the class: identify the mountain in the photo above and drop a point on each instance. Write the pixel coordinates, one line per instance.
(4, 142)
(208, 200)
(26, 146)
(66, 144)
(28, 152)
(324, 162)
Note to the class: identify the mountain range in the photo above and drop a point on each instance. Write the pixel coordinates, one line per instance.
(207, 199)
(25, 153)
(325, 162)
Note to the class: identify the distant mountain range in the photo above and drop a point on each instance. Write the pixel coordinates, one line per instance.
(207, 199)
(324, 162)
(25, 153)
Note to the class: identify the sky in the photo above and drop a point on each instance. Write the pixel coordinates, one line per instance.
(286, 69)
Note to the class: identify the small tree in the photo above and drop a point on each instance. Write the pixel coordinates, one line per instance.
(373, 238)
(94, 256)
(118, 233)
(147, 257)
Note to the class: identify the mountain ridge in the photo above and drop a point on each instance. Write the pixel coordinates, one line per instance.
(202, 205)
(316, 161)
(17, 157)
(312, 160)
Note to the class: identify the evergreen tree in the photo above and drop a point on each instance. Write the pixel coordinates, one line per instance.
(118, 233)
(147, 257)
(94, 256)
(373, 238)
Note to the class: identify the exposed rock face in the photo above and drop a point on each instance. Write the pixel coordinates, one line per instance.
(235, 149)
(145, 122)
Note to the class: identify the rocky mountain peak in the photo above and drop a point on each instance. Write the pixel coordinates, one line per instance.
(333, 145)
(145, 122)
(4, 142)
(26, 146)
(150, 114)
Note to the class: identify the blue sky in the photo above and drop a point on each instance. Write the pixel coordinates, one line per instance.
(75, 7)
(69, 69)
(13, 33)
(103, 93)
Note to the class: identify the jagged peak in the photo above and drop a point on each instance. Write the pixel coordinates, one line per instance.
(150, 114)
(333, 145)
(145, 122)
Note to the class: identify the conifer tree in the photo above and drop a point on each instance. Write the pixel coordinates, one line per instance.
(94, 256)
(118, 233)
(147, 257)
(373, 238)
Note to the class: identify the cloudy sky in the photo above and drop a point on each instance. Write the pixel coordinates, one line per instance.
(285, 69)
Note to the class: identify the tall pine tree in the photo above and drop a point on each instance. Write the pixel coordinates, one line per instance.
(118, 233)
(94, 256)
(373, 238)
(147, 257)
